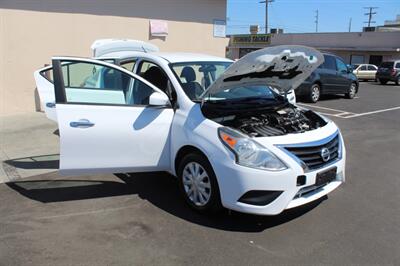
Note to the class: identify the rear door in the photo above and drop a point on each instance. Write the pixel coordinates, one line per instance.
(44, 84)
(106, 123)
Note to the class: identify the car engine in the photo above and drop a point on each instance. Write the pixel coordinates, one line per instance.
(274, 123)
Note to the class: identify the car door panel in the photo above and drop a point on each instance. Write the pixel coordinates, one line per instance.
(122, 139)
(101, 131)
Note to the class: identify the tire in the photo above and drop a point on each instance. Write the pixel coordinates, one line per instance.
(398, 80)
(383, 81)
(315, 93)
(352, 91)
(202, 195)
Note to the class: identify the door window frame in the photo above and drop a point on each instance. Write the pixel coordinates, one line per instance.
(59, 87)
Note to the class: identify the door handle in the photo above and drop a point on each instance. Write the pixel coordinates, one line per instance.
(82, 123)
(51, 105)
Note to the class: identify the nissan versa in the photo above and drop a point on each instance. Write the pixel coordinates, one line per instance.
(224, 129)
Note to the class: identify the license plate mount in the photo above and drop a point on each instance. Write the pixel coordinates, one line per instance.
(325, 177)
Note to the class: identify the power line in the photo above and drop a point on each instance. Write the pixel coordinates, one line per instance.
(266, 13)
(369, 14)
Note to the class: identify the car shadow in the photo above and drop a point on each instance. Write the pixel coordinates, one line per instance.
(161, 190)
(50, 161)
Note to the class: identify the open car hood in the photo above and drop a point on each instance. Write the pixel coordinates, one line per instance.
(283, 67)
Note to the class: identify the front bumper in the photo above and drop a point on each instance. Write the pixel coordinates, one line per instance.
(235, 180)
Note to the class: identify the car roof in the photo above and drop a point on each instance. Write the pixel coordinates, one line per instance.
(189, 57)
(170, 57)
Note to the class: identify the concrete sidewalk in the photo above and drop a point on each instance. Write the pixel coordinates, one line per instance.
(29, 146)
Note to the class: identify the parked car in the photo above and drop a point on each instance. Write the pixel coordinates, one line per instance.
(331, 77)
(365, 71)
(229, 138)
(389, 71)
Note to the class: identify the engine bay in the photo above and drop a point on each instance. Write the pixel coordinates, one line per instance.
(287, 120)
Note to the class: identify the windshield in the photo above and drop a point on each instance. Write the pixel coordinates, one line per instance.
(387, 64)
(196, 77)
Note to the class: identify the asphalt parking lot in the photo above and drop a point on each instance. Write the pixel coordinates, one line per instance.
(140, 218)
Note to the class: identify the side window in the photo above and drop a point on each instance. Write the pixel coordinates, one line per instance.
(397, 65)
(97, 84)
(363, 67)
(48, 74)
(341, 66)
(153, 74)
(129, 65)
(370, 67)
(330, 62)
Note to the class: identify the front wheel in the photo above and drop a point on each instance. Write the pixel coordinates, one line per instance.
(398, 80)
(352, 91)
(315, 93)
(198, 184)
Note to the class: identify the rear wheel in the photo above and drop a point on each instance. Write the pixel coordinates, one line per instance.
(352, 91)
(397, 80)
(315, 93)
(383, 81)
(198, 183)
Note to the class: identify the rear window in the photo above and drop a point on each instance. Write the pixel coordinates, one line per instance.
(387, 64)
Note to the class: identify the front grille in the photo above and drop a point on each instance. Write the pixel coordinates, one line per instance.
(311, 155)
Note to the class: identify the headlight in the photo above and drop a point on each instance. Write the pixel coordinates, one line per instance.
(248, 152)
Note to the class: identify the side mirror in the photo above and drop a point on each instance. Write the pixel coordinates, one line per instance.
(349, 69)
(159, 99)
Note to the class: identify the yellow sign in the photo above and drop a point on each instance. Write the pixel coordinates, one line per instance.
(252, 39)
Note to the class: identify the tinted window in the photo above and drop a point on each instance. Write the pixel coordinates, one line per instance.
(329, 62)
(387, 64)
(98, 84)
(341, 66)
(397, 65)
(48, 74)
(364, 67)
(370, 67)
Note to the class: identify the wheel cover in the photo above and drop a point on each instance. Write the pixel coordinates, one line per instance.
(315, 93)
(352, 91)
(196, 184)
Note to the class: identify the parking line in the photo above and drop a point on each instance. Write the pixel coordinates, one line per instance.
(325, 108)
(373, 112)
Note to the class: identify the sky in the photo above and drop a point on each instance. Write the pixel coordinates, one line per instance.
(296, 16)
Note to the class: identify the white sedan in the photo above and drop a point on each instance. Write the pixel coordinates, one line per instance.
(230, 139)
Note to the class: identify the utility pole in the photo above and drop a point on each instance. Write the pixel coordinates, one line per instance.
(350, 25)
(369, 14)
(266, 13)
(316, 20)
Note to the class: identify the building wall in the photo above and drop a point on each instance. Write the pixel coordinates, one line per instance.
(343, 44)
(33, 31)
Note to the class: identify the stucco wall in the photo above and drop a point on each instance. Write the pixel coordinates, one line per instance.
(33, 31)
